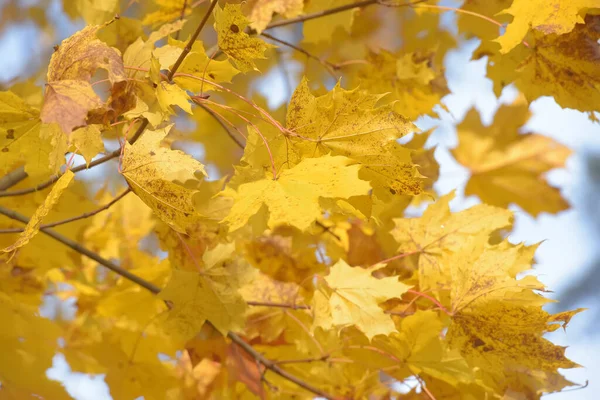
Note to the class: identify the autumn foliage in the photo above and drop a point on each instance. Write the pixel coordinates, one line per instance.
(280, 262)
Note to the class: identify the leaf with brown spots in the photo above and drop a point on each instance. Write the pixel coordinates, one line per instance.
(158, 174)
(348, 123)
(232, 39)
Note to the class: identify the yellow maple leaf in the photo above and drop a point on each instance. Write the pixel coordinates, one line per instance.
(28, 344)
(170, 94)
(151, 171)
(348, 123)
(323, 28)
(545, 16)
(230, 24)
(88, 141)
(79, 56)
(352, 299)
(507, 167)
(261, 11)
(419, 348)
(505, 341)
(415, 85)
(210, 295)
(438, 232)
(20, 140)
(196, 63)
(293, 197)
(33, 227)
(478, 272)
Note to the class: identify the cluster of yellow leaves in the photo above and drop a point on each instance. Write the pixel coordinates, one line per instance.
(302, 248)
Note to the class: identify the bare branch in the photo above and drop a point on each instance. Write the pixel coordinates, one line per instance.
(92, 164)
(83, 250)
(271, 365)
(12, 178)
(188, 46)
(72, 219)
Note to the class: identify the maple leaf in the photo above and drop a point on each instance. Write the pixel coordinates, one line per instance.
(206, 295)
(353, 300)
(33, 227)
(20, 140)
(503, 162)
(323, 28)
(196, 63)
(562, 66)
(293, 197)
(28, 343)
(261, 11)
(545, 16)
(151, 172)
(88, 141)
(418, 347)
(507, 339)
(438, 232)
(230, 24)
(416, 85)
(346, 122)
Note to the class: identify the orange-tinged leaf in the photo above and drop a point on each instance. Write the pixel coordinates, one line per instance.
(33, 227)
(79, 56)
(68, 102)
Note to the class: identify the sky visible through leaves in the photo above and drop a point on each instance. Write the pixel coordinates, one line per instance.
(321, 189)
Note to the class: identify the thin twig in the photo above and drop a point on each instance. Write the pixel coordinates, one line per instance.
(181, 16)
(271, 365)
(86, 252)
(72, 219)
(12, 178)
(188, 46)
(278, 305)
(220, 121)
(326, 64)
(92, 164)
(323, 13)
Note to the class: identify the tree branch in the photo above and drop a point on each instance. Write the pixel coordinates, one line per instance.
(326, 64)
(271, 365)
(188, 46)
(99, 161)
(83, 250)
(72, 219)
(12, 178)
(320, 14)
(138, 133)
